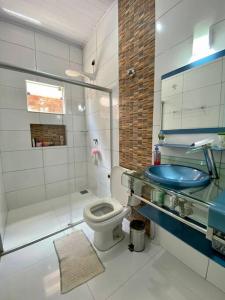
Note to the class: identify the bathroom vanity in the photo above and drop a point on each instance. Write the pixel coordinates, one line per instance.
(186, 213)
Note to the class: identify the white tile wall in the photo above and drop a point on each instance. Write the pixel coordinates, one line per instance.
(60, 188)
(172, 86)
(14, 79)
(216, 275)
(193, 99)
(3, 205)
(21, 160)
(189, 256)
(16, 35)
(12, 119)
(178, 25)
(202, 97)
(174, 43)
(25, 57)
(33, 175)
(25, 196)
(55, 156)
(51, 64)
(76, 54)
(51, 119)
(163, 6)
(103, 47)
(174, 50)
(15, 140)
(58, 173)
(51, 46)
(199, 118)
(172, 104)
(172, 120)
(107, 24)
(23, 179)
(8, 96)
(203, 76)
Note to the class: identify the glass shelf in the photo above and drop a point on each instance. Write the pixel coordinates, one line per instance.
(205, 195)
(184, 146)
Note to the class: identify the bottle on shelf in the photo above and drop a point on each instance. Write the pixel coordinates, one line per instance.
(157, 156)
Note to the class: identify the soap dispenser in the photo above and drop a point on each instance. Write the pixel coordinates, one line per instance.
(157, 156)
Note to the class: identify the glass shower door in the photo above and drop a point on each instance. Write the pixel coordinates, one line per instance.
(37, 161)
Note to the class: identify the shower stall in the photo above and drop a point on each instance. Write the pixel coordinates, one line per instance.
(56, 134)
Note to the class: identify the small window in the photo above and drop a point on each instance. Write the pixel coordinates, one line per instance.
(45, 98)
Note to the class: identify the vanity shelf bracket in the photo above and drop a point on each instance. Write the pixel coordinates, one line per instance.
(192, 225)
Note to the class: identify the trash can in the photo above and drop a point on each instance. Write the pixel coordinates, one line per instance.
(137, 236)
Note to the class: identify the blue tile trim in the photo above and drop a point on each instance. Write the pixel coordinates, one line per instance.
(194, 130)
(190, 236)
(195, 64)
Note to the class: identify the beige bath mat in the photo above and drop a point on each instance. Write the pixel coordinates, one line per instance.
(78, 261)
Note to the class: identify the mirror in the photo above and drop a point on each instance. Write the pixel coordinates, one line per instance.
(193, 97)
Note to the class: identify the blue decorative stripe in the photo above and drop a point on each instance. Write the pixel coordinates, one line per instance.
(195, 64)
(190, 236)
(194, 130)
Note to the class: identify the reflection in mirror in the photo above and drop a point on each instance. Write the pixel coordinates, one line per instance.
(194, 96)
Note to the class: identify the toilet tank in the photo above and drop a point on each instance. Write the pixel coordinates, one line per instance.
(118, 191)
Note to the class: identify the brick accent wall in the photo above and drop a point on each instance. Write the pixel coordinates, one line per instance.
(136, 94)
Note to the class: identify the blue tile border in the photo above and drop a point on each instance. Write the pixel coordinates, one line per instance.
(195, 64)
(194, 130)
(190, 236)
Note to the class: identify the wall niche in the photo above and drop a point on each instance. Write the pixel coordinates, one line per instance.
(46, 135)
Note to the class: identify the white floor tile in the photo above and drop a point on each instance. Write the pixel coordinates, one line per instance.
(120, 264)
(33, 273)
(165, 277)
(31, 222)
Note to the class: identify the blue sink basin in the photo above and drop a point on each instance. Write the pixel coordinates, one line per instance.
(176, 176)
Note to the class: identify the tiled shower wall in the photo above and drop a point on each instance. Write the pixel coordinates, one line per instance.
(103, 47)
(136, 51)
(3, 205)
(32, 175)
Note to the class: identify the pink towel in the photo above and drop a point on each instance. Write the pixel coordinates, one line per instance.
(94, 151)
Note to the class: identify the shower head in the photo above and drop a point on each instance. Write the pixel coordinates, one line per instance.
(74, 73)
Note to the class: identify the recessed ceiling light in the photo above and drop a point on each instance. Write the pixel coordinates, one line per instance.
(158, 26)
(21, 16)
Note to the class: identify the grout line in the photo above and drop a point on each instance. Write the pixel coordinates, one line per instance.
(48, 34)
(92, 295)
(40, 185)
(135, 272)
(172, 7)
(207, 269)
(35, 51)
(41, 148)
(173, 46)
(67, 60)
(17, 44)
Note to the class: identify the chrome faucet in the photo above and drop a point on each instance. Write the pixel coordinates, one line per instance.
(209, 158)
(210, 161)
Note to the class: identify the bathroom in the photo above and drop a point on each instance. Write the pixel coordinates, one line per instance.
(88, 89)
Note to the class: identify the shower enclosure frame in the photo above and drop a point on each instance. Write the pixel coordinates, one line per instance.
(73, 82)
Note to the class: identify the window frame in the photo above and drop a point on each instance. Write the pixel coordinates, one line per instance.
(51, 85)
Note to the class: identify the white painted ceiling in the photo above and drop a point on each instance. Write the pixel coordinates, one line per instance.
(73, 20)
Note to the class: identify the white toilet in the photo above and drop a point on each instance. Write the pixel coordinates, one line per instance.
(105, 216)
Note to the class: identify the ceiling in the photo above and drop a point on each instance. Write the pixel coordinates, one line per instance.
(73, 20)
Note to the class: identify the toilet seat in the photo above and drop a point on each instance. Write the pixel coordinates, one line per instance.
(114, 206)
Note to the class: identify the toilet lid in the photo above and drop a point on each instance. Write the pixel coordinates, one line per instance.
(118, 191)
(115, 206)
